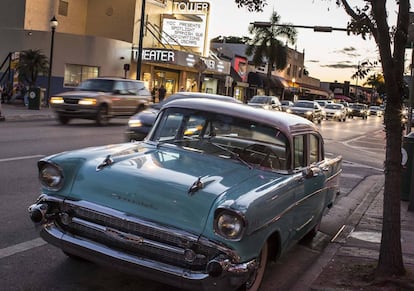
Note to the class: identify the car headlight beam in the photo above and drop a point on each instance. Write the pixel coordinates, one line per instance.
(87, 101)
(229, 225)
(134, 123)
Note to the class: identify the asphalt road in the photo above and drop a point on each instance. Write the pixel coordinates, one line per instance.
(28, 263)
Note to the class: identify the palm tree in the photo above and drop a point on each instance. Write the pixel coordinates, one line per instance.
(266, 45)
(377, 83)
(31, 64)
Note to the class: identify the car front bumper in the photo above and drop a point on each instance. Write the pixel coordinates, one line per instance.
(135, 253)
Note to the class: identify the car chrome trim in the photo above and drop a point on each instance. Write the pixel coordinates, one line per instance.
(235, 275)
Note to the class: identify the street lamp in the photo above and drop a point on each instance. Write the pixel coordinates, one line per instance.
(141, 35)
(53, 25)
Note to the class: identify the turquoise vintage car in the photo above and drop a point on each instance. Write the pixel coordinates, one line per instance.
(215, 191)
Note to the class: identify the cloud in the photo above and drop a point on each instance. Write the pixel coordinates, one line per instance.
(348, 51)
(340, 65)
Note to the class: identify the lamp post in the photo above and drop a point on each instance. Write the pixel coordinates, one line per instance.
(53, 25)
(140, 40)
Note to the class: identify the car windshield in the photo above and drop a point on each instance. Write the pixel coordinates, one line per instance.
(333, 106)
(358, 106)
(260, 99)
(304, 104)
(97, 85)
(224, 136)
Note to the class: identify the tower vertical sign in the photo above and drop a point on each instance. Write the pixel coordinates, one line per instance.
(186, 26)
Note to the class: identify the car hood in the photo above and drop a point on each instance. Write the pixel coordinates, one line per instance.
(148, 115)
(301, 109)
(153, 183)
(332, 110)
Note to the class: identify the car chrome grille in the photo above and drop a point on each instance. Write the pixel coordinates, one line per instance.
(139, 239)
(69, 100)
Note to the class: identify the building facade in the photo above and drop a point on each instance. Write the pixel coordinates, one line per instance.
(102, 37)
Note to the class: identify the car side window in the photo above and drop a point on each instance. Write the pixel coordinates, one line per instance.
(299, 151)
(120, 88)
(314, 149)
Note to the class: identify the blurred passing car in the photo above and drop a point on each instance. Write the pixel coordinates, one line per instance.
(141, 123)
(375, 110)
(100, 99)
(310, 110)
(286, 104)
(335, 111)
(203, 203)
(265, 102)
(358, 110)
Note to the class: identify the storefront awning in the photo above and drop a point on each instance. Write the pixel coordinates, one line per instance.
(260, 80)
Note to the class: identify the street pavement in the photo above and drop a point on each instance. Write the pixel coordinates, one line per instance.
(18, 112)
(357, 241)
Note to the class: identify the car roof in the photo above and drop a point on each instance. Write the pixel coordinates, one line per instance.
(288, 123)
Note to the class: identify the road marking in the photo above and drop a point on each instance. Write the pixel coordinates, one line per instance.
(9, 251)
(21, 158)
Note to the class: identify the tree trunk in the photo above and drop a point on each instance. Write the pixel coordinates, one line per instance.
(269, 79)
(390, 261)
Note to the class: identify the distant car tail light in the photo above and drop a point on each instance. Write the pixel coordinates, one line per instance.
(56, 100)
(87, 101)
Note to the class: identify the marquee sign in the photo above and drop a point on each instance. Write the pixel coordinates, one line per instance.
(183, 59)
(184, 33)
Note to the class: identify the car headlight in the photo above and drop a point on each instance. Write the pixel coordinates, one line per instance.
(134, 123)
(56, 100)
(308, 113)
(337, 113)
(50, 176)
(229, 225)
(87, 101)
(288, 110)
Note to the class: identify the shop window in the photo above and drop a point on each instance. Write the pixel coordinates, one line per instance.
(74, 74)
(63, 8)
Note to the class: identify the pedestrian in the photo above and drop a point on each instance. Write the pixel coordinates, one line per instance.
(161, 93)
(153, 94)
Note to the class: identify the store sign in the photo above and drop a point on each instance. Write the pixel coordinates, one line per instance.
(184, 33)
(183, 59)
(154, 55)
(191, 7)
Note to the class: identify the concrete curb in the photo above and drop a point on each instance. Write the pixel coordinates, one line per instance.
(344, 216)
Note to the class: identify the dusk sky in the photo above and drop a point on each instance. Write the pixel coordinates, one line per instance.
(328, 56)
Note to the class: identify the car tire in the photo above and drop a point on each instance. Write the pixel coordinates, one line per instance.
(102, 117)
(319, 120)
(63, 119)
(254, 282)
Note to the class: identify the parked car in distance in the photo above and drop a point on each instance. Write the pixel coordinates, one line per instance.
(265, 102)
(100, 99)
(358, 110)
(375, 110)
(336, 111)
(141, 123)
(286, 104)
(323, 103)
(310, 110)
(214, 192)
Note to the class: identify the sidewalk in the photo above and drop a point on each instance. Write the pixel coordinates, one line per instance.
(18, 112)
(353, 253)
